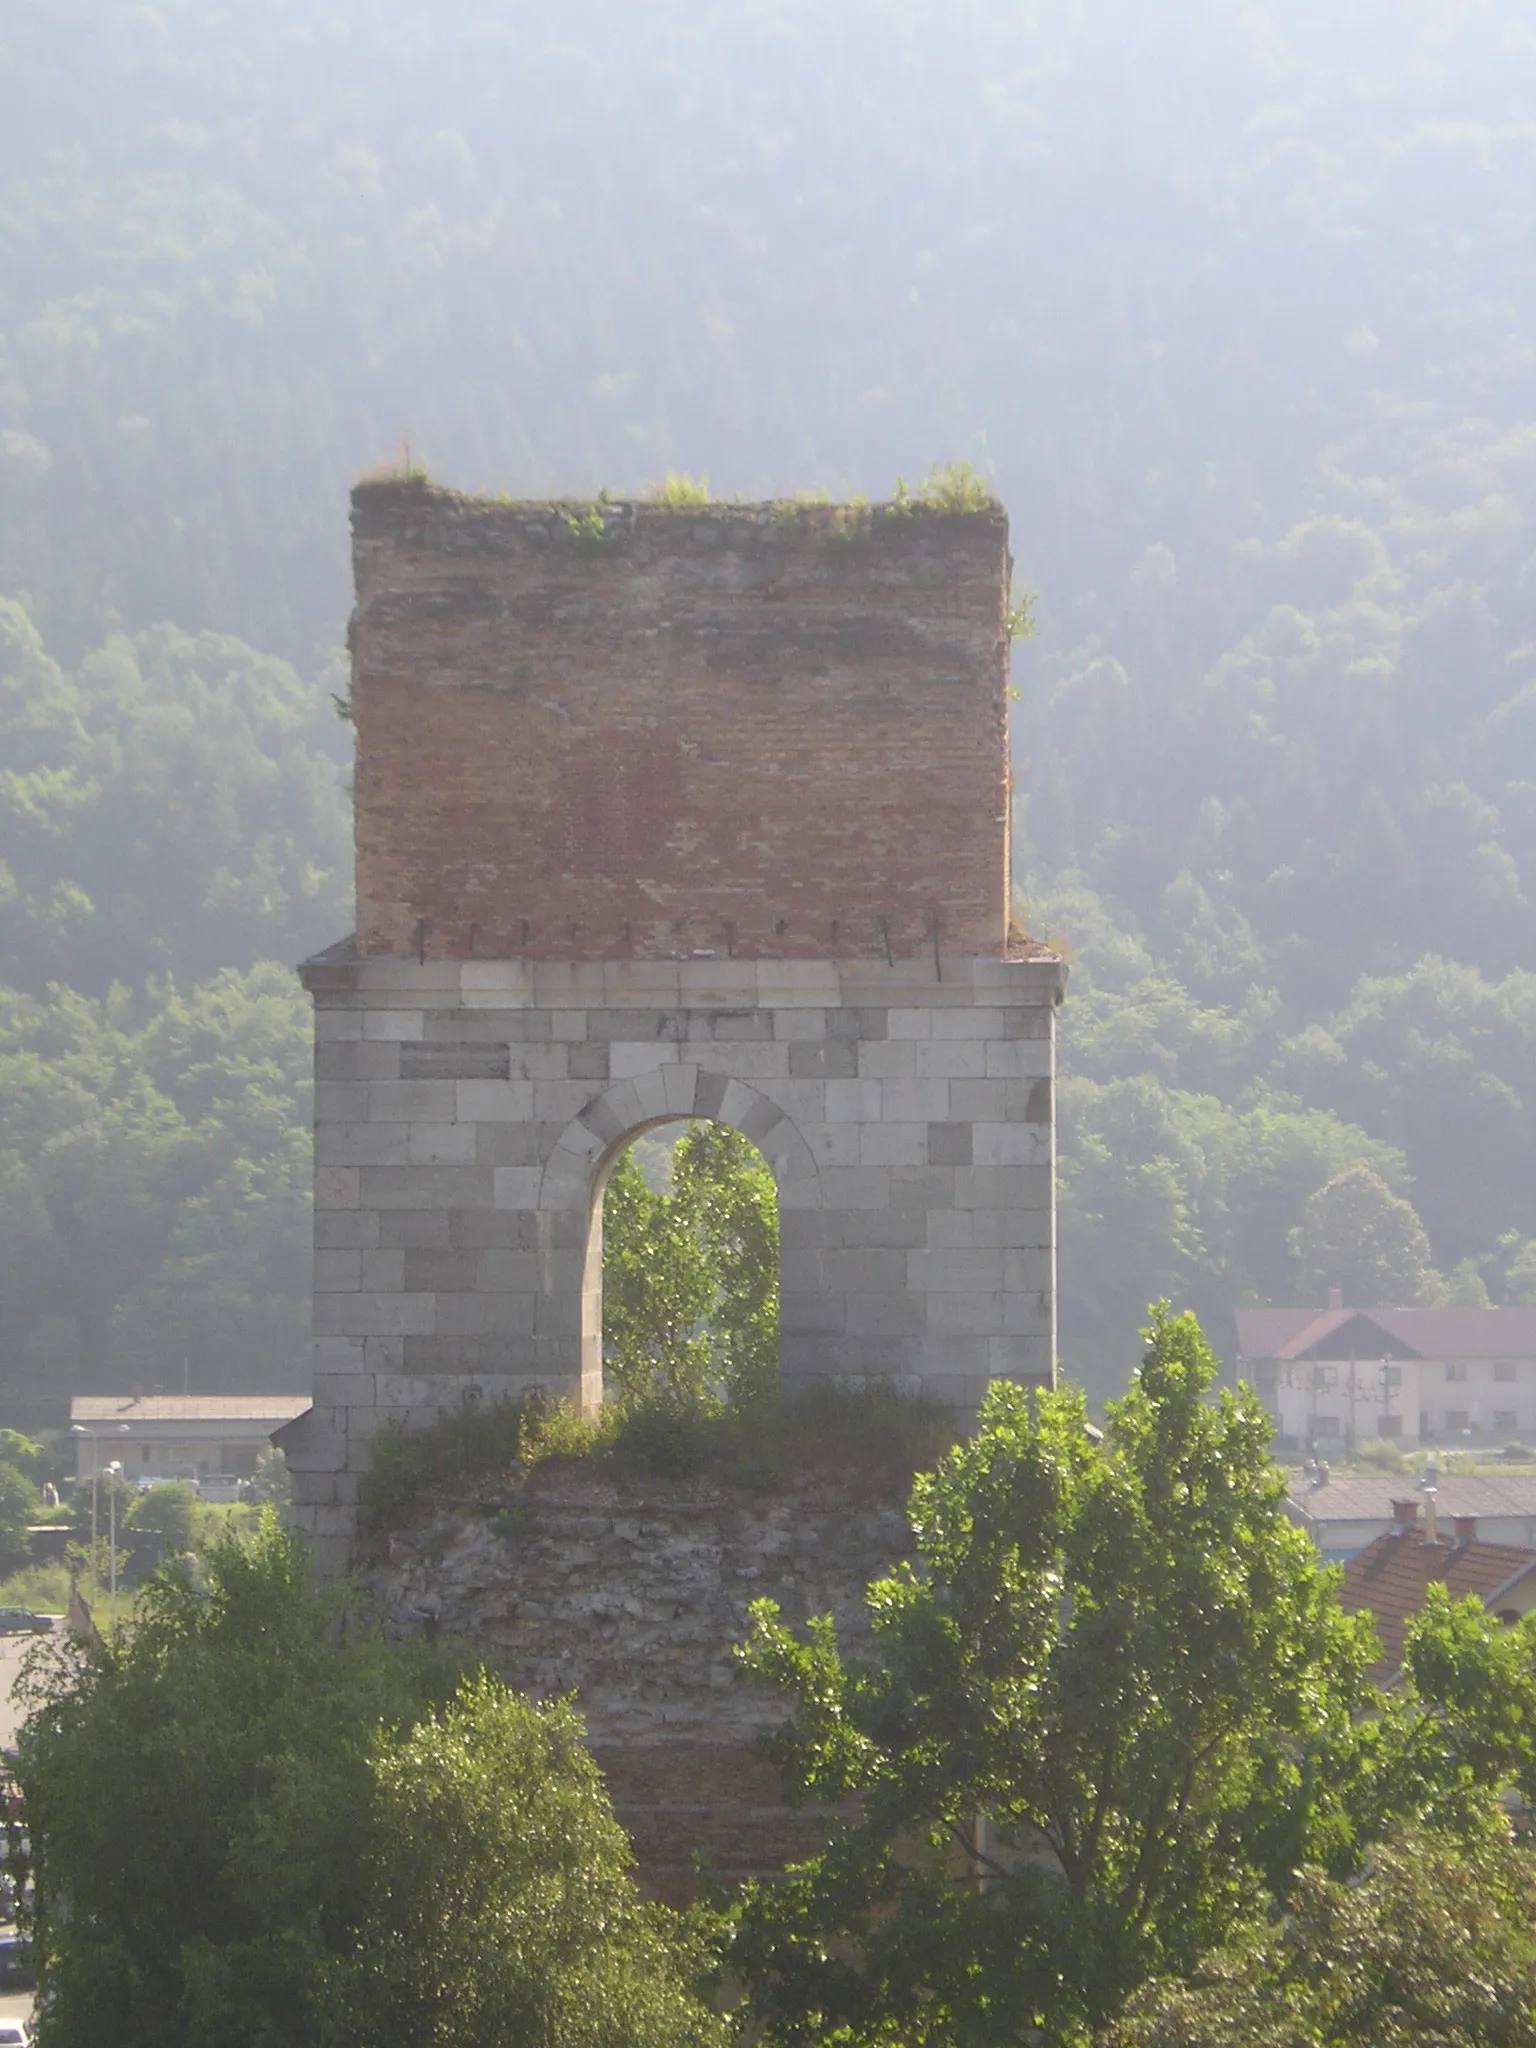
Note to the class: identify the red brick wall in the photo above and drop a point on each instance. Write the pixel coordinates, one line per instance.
(778, 733)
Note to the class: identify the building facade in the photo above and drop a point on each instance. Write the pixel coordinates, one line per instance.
(1440, 1376)
(177, 1436)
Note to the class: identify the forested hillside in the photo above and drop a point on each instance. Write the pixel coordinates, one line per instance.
(1234, 306)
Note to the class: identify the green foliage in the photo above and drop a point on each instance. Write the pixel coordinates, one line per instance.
(873, 1442)
(42, 1587)
(155, 1177)
(1434, 1944)
(949, 487)
(1117, 1656)
(171, 806)
(171, 1511)
(20, 1505)
(269, 1485)
(1356, 1235)
(500, 1905)
(1099, 1726)
(245, 1815)
(679, 489)
(691, 1276)
(1020, 616)
(586, 524)
(463, 1449)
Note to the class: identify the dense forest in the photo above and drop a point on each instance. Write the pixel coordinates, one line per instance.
(1234, 306)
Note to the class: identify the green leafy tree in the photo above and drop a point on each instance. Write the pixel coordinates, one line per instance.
(21, 1504)
(1099, 1725)
(171, 1511)
(691, 1275)
(1356, 1235)
(249, 1815)
(1079, 1742)
(501, 1907)
(1437, 1943)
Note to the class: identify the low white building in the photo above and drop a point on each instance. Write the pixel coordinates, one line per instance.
(177, 1436)
(1445, 1376)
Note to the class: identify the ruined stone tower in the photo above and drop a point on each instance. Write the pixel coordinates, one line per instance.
(673, 812)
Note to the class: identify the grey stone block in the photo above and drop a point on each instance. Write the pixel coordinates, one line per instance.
(356, 1059)
(441, 1144)
(754, 1026)
(413, 1229)
(373, 1315)
(455, 1060)
(336, 1187)
(441, 1272)
(363, 1144)
(1027, 1020)
(339, 1230)
(949, 1144)
(384, 1271)
(338, 1272)
(823, 1059)
(426, 1187)
(341, 1101)
(475, 1315)
(588, 1063)
(884, 1313)
(507, 1144)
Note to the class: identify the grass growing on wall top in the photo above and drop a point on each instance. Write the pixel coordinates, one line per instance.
(482, 1451)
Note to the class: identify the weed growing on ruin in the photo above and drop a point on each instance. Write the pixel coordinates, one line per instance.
(585, 523)
(948, 487)
(678, 488)
(1020, 615)
(463, 1449)
(869, 1442)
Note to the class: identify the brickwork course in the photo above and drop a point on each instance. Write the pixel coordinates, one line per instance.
(667, 813)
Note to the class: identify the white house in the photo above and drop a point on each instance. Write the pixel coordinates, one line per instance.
(177, 1436)
(1340, 1376)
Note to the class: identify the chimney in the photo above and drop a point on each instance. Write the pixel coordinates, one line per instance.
(1405, 1513)
(1465, 1527)
(1431, 1532)
(1335, 1297)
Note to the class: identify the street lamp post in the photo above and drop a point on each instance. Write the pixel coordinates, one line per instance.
(113, 1471)
(79, 1429)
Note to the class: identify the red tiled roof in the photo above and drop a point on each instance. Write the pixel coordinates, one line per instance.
(1430, 1332)
(1391, 1577)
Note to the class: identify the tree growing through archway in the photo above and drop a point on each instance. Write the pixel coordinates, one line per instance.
(691, 1275)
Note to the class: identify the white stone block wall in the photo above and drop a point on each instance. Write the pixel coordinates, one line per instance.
(467, 1113)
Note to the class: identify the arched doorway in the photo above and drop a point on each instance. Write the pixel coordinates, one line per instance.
(577, 1174)
(684, 1252)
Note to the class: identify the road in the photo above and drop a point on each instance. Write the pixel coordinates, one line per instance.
(14, 2005)
(12, 1650)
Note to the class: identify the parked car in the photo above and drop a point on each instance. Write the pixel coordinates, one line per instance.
(220, 1486)
(21, 1621)
(15, 1963)
(15, 2034)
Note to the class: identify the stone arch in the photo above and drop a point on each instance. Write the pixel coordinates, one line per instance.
(585, 1152)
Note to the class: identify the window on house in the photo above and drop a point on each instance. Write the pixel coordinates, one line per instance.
(1504, 1369)
(1456, 1369)
(1505, 1421)
(1325, 1425)
(1455, 1418)
(1390, 1425)
(1391, 1375)
(1326, 1376)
